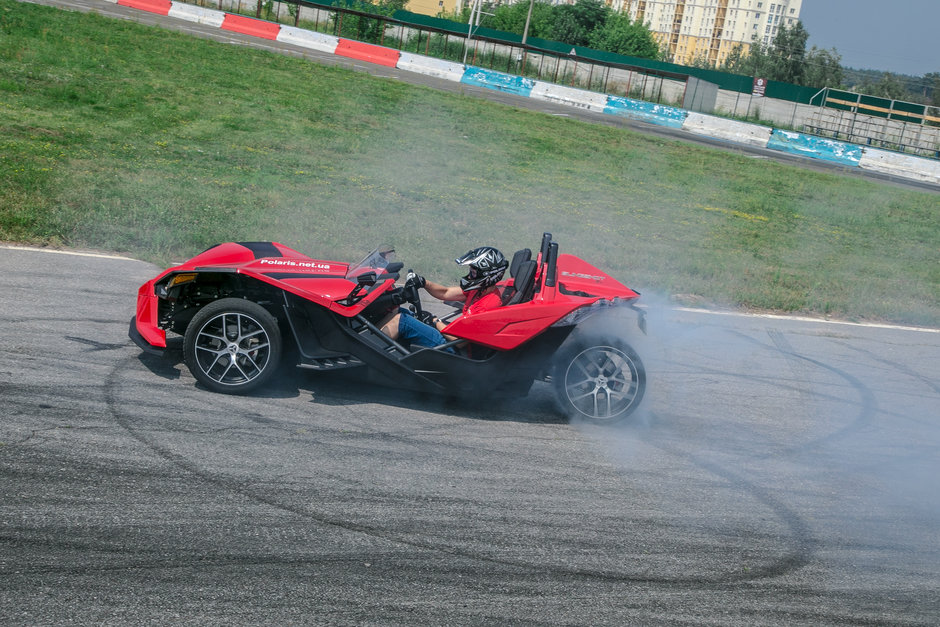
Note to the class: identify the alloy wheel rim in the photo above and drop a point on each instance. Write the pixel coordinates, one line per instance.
(601, 382)
(232, 349)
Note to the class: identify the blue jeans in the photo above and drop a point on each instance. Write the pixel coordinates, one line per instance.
(416, 332)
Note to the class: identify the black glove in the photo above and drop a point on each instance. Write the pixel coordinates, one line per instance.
(418, 281)
(427, 318)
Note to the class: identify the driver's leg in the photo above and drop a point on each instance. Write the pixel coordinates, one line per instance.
(390, 328)
(415, 331)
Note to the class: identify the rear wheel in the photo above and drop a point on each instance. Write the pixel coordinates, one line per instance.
(232, 346)
(600, 380)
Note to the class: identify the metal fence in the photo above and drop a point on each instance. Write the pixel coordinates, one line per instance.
(480, 49)
(873, 121)
(841, 115)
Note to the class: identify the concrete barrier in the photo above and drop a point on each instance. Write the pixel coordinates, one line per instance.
(308, 39)
(430, 67)
(658, 114)
(250, 26)
(370, 53)
(817, 147)
(200, 15)
(160, 7)
(497, 80)
(579, 98)
(897, 164)
(730, 130)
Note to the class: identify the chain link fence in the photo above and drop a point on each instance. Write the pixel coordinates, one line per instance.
(840, 115)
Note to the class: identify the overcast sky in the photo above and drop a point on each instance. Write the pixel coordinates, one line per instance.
(901, 36)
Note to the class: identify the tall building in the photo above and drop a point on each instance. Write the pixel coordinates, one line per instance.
(434, 7)
(710, 29)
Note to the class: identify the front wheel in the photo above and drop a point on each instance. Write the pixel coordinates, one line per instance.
(232, 346)
(600, 380)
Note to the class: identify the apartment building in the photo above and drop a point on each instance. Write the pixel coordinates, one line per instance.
(710, 29)
(435, 7)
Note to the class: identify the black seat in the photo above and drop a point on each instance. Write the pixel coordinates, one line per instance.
(521, 255)
(523, 283)
(518, 259)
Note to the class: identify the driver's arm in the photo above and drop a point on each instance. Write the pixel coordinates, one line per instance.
(444, 292)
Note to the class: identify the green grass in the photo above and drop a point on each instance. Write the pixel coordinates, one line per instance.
(137, 140)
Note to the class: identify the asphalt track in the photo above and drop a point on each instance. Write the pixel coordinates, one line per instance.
(199, 30)
(779, 472)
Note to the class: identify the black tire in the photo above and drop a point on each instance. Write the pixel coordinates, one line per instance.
(232, 346)
(600, 380)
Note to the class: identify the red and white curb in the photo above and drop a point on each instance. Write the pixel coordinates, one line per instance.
(866, 158)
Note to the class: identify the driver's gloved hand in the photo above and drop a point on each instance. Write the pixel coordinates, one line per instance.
(414, 280)
(427, 318)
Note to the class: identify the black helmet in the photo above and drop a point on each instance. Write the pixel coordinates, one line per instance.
(487, 266)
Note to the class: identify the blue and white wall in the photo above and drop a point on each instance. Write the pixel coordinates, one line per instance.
(810, 146)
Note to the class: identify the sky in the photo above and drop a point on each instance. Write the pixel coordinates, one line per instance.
(900, 36)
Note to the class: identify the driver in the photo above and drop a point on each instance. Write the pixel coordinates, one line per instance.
(477, 291)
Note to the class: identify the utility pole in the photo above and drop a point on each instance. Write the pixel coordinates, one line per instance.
(475, 10)
(528, 18)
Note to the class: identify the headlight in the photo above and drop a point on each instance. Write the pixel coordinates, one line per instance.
(179, 279)
(162, 290)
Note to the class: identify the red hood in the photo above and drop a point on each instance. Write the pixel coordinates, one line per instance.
(261, 257)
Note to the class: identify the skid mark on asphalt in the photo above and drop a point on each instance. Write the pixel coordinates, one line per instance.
(793, 559)
(867, 404)
(913, 374)
(801, 539)
(96, 345)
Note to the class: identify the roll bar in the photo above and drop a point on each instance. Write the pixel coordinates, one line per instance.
(543, 251)
(551, 266)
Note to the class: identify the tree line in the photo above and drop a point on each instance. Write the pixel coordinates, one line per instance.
(593, 24)
(588, 23)
(786, 59)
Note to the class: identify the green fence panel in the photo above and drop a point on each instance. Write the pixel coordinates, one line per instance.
(790, 92)
(724, 80)
(901, 107)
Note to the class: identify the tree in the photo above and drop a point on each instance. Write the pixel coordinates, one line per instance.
(587, 23)
(574, 23)
(788, 54)
(890, 87)
(932, 88)
(787, 60)
(823, 69)
(756, 62)
(511, 19)
(620, 35)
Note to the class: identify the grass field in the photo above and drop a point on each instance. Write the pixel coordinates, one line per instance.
(137, 140)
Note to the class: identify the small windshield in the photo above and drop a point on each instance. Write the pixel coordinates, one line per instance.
(377, 260)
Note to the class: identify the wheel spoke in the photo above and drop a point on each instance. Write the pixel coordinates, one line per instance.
(583, 369)
(585, 395)
(215, 361)
(249, 359)
(246, 336)
(221, 377)
(238, 367)
(588, 381)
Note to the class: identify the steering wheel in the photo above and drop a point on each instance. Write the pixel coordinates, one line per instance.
(410, 292)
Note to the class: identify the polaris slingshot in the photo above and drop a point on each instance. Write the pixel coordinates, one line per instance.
(244, 308)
